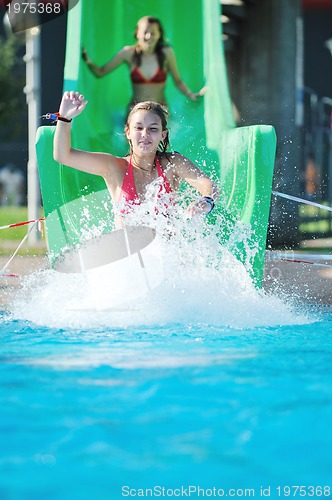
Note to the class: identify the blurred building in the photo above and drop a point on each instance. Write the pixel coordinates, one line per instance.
(12, 186)
(280, 73)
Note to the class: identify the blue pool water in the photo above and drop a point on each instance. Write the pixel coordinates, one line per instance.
(207, 388)
(86, 412)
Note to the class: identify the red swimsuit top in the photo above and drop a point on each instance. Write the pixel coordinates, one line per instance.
(137, 77)
(128, 190)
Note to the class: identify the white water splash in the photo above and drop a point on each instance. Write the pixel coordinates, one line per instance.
(203, 284)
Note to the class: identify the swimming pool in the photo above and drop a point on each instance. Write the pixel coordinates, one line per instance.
(86, 413)
(197, 391)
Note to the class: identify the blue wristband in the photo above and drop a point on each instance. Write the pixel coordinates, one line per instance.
(55, 117)
(210, 201)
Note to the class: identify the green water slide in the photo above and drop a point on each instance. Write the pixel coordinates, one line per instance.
(241, 158)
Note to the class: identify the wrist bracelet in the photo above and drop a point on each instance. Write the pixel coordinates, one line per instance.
(62, 119)
(209, 200)
(55, 117)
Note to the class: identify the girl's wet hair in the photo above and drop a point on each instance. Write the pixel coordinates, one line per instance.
(159, 47)
(158, 110)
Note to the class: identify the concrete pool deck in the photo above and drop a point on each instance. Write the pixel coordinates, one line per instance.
(309, 283)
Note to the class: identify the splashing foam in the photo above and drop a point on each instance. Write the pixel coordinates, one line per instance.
(203, 283)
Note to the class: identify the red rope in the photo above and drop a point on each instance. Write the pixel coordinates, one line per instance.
(22, 223)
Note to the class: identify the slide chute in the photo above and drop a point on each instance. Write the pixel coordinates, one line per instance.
(240, 158)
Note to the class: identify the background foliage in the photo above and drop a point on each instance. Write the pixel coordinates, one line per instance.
(13, 111)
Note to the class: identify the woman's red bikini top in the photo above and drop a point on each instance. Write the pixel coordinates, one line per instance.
(138, 78)
(129, 195)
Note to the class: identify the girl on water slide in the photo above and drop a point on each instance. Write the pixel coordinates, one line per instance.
(128, 178)
(149, 60)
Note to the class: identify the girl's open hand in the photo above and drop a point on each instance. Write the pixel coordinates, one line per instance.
(194, 96)
(85, 56)
(72, 104)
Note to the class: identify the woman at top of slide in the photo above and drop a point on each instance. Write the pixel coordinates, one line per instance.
(149, 60)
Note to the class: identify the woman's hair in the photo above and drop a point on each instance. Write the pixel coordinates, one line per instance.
(159, 111)
(159, 47)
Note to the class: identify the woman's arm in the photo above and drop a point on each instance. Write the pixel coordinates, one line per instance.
(122, 56)
(72, 104)
(174, 71)
(187, 170)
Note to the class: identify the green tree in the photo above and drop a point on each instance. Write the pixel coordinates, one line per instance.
(13, 109)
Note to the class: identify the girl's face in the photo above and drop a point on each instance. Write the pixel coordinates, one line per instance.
(145, 132)
(148, 35)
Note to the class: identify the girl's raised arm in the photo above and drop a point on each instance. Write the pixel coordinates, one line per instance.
(72, 104)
